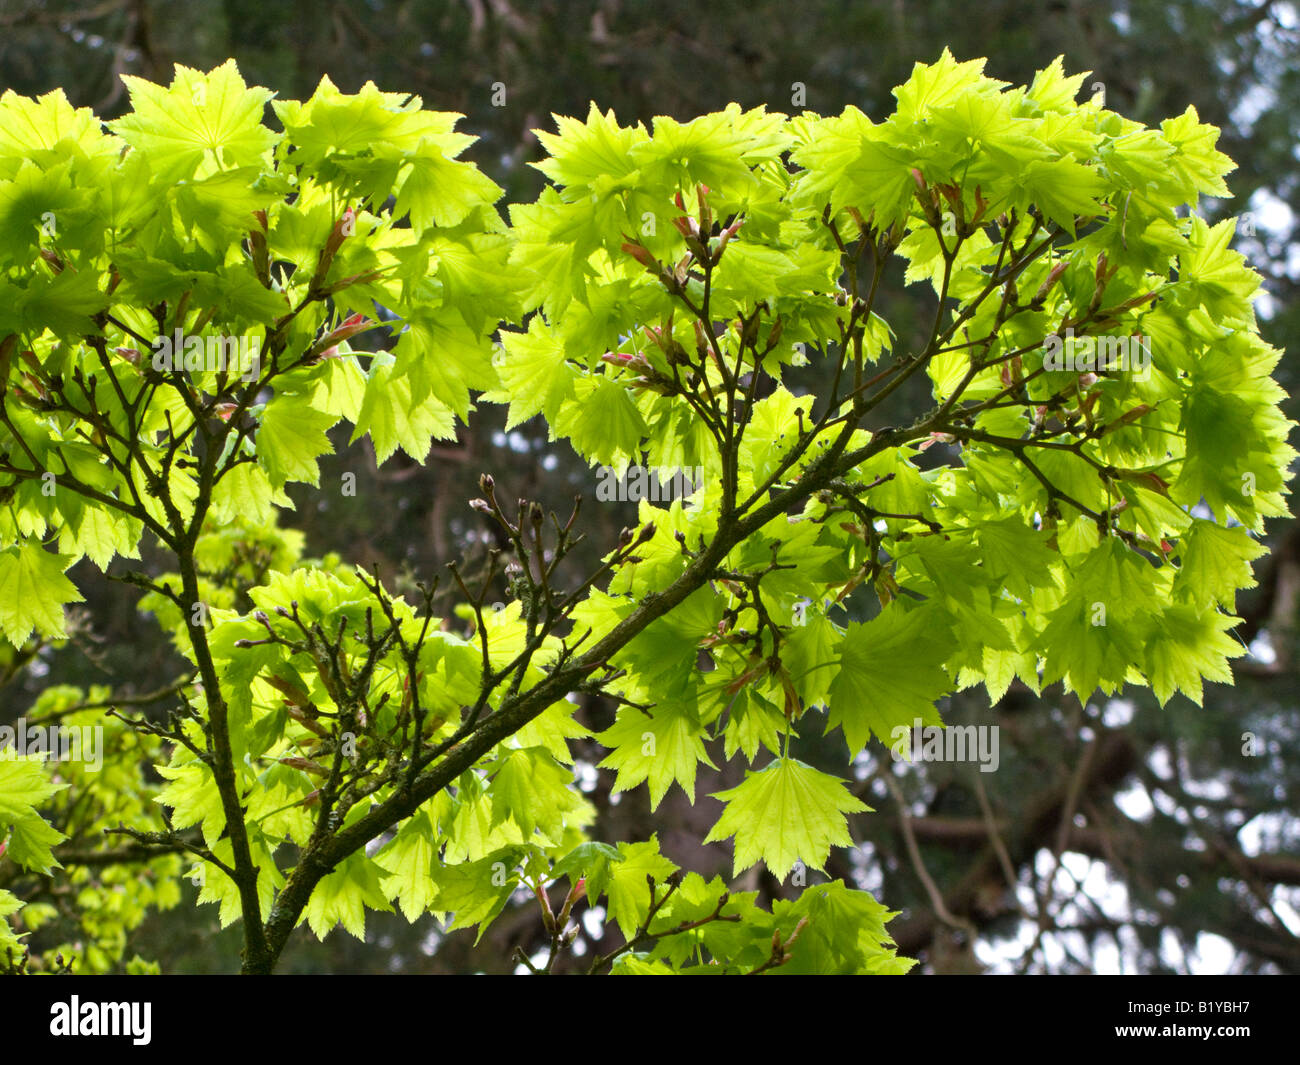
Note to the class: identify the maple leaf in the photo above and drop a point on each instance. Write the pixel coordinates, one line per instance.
(786, 812)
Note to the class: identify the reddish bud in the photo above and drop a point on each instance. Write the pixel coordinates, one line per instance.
(352, 325)
(304, 719)
(289, 687)
(706, 215)
(701, 339)
(37, 386)
(936, 438)
(728, 234)
(1130, 416)
(774, 336)
(643, 256)
(343, 229)
(791, 697)
(305, 764)
(1052, 278)
(1152, 481)
(618, 358)
(326, 346)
